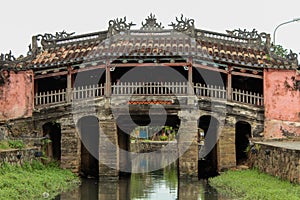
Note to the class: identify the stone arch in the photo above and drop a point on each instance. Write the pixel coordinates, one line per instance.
(52, 140)
(242, 136)
(208, 156)
(89, 132)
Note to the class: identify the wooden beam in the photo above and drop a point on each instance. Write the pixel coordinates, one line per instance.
(149, 64)
(248, 75)
(50, 75)
(209, 68)
(74, 71)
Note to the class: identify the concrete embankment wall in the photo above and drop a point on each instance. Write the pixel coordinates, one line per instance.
(279, 160)
(16, 156)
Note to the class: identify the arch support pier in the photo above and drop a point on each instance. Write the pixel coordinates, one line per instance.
(187, 144)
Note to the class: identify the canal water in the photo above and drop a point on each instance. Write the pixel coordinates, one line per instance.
(157, 185)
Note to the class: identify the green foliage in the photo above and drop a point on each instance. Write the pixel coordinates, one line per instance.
(30, 181)
(280, 51)
(16, 144)
(163, 138)
(12, 144)
(4, 145)
(251, 184)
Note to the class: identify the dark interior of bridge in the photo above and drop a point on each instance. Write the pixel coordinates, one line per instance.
(52, 131)
(89, 135)
(208, 165)
(243, 133)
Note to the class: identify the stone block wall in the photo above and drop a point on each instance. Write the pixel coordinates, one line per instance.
(16, 156)
(70, 145)
(143, 147)
(277, 161)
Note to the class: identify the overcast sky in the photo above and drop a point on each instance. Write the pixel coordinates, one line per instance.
(20, 20)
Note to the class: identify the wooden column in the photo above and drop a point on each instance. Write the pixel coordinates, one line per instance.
(35, 88)
(107, 80)
(190, 76)
(69, 85)
(229, 83)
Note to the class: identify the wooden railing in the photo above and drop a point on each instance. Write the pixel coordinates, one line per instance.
(85, 92)
(212, 91)
(150, 88)
(147, 88)
(247, 97)
(49, 97)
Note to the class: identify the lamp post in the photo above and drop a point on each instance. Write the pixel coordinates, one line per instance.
(293, 20)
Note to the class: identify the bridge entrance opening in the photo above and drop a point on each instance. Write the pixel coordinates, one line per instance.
(135, 129)
(89, 135)
(52, 133)
(242, 135)
(208, 157)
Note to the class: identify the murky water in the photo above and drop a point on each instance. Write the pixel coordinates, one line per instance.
(158, 185)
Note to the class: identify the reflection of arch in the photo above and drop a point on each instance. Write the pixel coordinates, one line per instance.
(242, 135)
(88, 127)
(52, 131)
(208, 158)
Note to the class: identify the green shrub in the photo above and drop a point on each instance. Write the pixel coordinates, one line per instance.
(163, 138)
(4, 144)
(32, 181)
(16, 144)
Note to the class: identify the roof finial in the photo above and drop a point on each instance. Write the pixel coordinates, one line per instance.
(151, 23)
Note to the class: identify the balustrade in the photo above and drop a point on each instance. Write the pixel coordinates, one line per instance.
(148, 88)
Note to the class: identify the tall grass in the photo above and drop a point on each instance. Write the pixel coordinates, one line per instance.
(34, 181)
(253, 185)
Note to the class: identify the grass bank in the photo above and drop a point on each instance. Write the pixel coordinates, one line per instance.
(253, 185)
(34, 181)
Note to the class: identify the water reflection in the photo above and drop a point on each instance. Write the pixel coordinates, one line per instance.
(159, 185)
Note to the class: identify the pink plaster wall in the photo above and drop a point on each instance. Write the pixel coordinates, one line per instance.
(16, 95)
(282, 103)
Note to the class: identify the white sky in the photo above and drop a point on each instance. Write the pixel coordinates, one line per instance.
(20, 20)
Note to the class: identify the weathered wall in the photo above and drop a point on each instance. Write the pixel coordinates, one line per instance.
(144, 147)
(17, 156)
(282, 103)
(16, 95)
(278, 161)
(188, 145)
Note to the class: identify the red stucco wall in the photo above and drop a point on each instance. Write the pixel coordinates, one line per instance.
(16, 95)
(282, 103)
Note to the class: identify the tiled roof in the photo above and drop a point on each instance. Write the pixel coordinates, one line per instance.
(152, 41)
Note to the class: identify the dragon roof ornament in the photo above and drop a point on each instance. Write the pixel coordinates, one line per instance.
(118, 25)
(151, 23)
(49, 38)
(260, 38)
(184, 25)
(7, 57)
(58, 35)
(292, 56)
